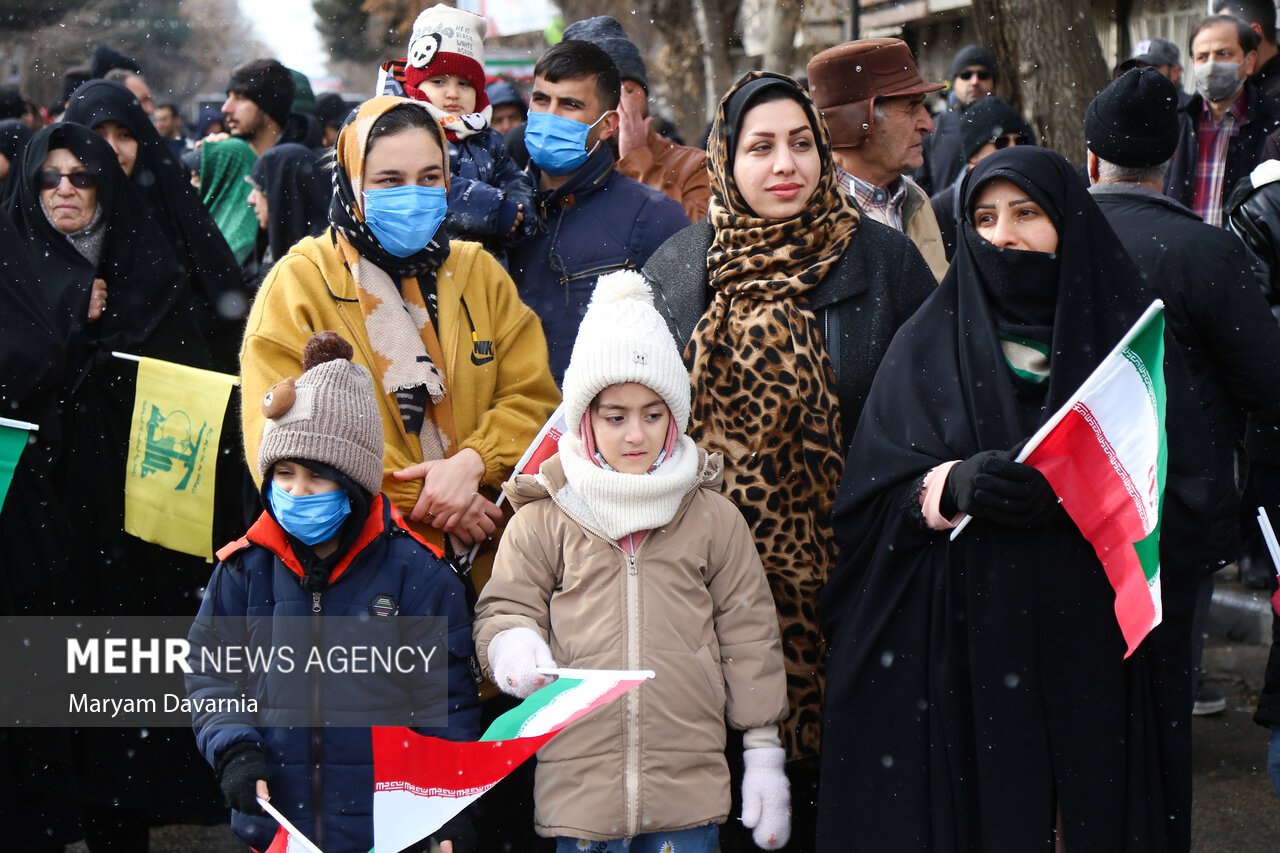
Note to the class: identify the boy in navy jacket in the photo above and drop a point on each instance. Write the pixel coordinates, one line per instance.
(328, 545)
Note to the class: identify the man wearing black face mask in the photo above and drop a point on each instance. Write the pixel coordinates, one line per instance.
(1224, 126)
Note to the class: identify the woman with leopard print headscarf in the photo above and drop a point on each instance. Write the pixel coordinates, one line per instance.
(784, 327)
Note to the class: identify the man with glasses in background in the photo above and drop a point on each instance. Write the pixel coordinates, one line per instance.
(973, 77)
(985, 128)
(872, 98)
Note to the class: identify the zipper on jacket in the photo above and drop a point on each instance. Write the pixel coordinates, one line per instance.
(631, 759)
(631, 766)
(317, 731)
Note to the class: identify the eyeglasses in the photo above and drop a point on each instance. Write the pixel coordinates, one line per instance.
(968, 74)
(50, 179)
(1002, 142)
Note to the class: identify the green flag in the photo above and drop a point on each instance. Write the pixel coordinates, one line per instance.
(13, 437)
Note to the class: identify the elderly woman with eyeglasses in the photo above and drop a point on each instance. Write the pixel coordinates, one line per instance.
(109, 282)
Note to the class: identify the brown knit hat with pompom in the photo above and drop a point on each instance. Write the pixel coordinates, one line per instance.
(329, 415)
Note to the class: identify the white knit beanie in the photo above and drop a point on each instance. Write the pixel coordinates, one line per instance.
(443, 29)
(623, 338)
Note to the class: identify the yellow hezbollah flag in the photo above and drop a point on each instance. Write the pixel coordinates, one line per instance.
(173, 453)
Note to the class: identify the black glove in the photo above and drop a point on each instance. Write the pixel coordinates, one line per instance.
(461, 830)
(992, 487)
(241, 767)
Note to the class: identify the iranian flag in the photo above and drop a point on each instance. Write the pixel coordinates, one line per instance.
(545, 445)
(420, 782)
(1104, 453)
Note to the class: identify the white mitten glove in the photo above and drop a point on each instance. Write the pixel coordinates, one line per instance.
(514, 656)
(766, 797)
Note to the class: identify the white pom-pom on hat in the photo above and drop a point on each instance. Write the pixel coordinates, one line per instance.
(621, 285)
(623, 338)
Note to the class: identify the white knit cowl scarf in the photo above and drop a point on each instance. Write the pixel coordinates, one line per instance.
(618, 504)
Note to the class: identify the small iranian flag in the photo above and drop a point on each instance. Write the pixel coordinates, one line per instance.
(1104, 453)
(420, 783)
(545, 444)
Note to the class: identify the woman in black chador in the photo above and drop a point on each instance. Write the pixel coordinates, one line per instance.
(978, 696)
(108, 281)
(111, 111)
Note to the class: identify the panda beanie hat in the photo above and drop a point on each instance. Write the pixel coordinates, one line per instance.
(328, 415)
(623, 338)
(447, 41)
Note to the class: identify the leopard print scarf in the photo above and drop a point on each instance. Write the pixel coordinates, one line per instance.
(763, 390)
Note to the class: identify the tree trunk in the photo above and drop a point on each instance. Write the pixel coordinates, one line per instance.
(780, 48)
(1051, 62)
(714, 24)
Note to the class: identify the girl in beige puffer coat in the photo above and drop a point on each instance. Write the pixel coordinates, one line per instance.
(623, 555)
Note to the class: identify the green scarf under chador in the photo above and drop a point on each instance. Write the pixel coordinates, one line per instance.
(224, 166)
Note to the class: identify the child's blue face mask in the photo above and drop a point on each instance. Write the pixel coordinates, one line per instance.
(310, 518)
(405, 219)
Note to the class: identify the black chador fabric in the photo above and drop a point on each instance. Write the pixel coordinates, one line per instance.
(14, 135)
(977, 688)
(148, 312)
(190, 231)
(33, 526)
(298, 193)
(37, 800)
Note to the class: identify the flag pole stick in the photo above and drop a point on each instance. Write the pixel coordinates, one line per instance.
(595, 673)
(9, 422)
(288, 827)
(235, 380)
(519, 466)
(1269, 535)
(1048, 426)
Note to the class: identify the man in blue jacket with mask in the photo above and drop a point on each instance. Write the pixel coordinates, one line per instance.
(596, 220)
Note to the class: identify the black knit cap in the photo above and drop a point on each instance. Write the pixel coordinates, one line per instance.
(1134, 121)
(972, 54)
(11, 104)
(986, 121)
(268, 84)
(332, 110)
(105, 60)
(607, 34)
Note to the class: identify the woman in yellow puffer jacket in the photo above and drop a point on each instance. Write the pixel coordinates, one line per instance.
(460, 361)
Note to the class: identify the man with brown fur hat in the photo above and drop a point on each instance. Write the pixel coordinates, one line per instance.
(872, 97)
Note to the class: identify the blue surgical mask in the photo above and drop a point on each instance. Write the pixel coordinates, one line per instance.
(558, 145)
(405, 219)
(310, 518)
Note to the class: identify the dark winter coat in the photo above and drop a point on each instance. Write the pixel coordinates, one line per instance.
(1253, 214)
(943, 161)
(597, 222)
(946, 208)
(260, 577)
(1230, 340)
(875, 287)
(1268, 713)
(485, 193)
(1244, 151)
(1267, 79)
